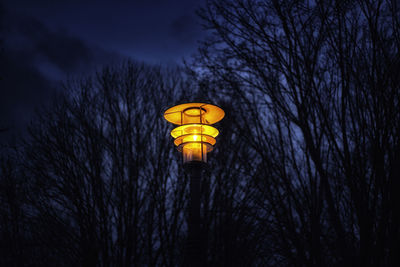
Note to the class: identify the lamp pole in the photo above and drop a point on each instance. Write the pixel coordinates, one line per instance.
(194, 137)
(194, 254)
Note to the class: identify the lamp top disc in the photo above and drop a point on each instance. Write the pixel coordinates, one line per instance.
(210, 114)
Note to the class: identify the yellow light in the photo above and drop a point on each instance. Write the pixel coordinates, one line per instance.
(191, 139)
(194, 136)
(194, 152)
(194, 129)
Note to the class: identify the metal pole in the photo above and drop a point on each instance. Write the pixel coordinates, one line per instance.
(194, 256)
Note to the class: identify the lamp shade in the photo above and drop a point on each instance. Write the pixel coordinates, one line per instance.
(194, 113)
(194, 136)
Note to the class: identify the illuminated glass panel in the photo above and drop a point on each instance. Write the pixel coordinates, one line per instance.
(195, 151)
(194, 129)
(194, 138)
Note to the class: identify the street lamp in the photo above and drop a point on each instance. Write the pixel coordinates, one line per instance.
(194, 137)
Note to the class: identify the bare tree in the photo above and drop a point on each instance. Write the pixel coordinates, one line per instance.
(317, 84)
(12, 217)
(103, 186)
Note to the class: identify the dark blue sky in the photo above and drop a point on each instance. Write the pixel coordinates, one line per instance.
(149, 30)
(44, 42)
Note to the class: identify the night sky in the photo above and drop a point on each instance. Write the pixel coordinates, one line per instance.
(45, 42)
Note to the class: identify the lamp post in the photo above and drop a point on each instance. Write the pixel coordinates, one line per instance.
(194, 137)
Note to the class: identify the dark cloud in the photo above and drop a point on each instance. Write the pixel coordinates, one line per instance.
(185, 28)
(66, 52)
(33, 62)
(156, 31)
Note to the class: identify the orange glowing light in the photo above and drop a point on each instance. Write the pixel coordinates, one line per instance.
(194, 136)
(194, 129)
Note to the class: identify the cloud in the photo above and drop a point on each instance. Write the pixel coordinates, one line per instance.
(63, 50)
(185, 29)
(33, 62)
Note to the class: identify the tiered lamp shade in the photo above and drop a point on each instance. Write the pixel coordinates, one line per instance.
(194, 136)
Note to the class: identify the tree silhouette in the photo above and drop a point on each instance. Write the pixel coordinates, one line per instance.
(305, 171)
(318, 91)
(102, 185)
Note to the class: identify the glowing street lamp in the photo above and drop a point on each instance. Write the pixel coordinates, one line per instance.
(194, 136)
